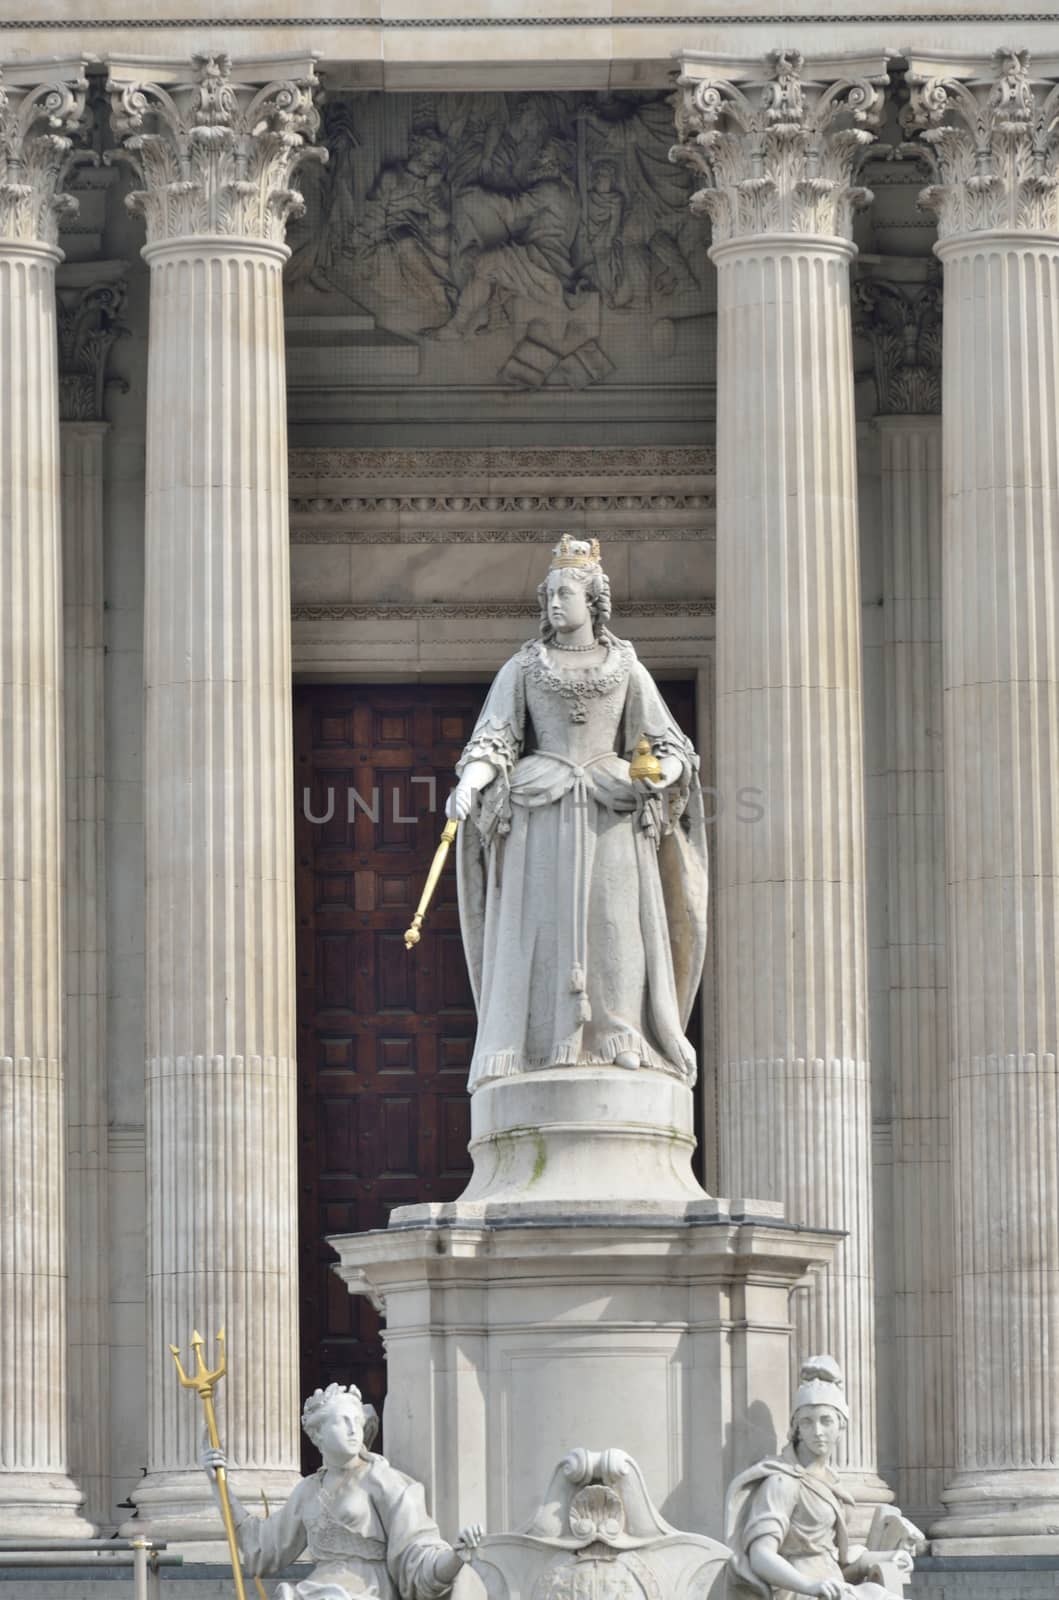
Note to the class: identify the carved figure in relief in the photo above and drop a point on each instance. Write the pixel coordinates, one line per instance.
(786, 1517)
(364, 1523)
(515, 217)
(407, 216)
(582, 888)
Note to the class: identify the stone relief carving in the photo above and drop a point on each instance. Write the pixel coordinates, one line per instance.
(597, 1536)
(216, 154)
(89, 322)
(608, 461)
(779, 148)
(39, 123)
(545, 234)
(902, 322)
(992, 143)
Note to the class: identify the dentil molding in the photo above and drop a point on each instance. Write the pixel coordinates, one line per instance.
(778, 142)
(216, 148)
(987, 129)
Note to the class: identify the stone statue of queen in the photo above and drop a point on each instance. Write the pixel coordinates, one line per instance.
(582, 890)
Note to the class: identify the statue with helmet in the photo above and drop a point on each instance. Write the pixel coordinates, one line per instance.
(786, 1520)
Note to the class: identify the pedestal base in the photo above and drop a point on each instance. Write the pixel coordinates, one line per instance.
(588, 1135)
(515, 1332)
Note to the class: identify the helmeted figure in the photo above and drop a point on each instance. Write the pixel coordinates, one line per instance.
(786, 1519)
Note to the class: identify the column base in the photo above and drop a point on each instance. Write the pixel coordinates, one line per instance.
(994, 1512)
(41, 1505)
(179, 1507)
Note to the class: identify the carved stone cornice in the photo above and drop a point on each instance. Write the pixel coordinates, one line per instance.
(779, 144)
(89, 322)
(484, 610)
(988, 130)
(501, 496)
(216, 153)
(42, 111)
(897, 308)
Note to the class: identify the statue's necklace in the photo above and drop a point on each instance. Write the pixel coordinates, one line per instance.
(555, 645)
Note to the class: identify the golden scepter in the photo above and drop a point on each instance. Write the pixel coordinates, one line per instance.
(448, 834)
(204, 1382)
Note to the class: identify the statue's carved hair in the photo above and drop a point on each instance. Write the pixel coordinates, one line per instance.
(320, 1402)
(597, 588)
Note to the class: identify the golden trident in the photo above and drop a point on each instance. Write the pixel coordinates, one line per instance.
(448, 834)
(204, 1382)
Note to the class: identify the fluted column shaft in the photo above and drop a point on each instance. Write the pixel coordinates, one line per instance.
(85, 963)
(777, 144)
(36, 1495)
(1001, 402)
(218, 762)
(992, 137)
(221, 1111)
(794, 1080)
(918, 982)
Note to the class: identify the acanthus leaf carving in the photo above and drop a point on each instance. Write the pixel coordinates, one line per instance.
(780, 149)
(902, 322)
(991, 140)
(39, 125)
(217, 154)
(89, 323)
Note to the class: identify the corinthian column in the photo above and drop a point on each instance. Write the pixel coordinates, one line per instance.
(990, 130)
(777, 146)
(40, 107)
(899, 305)
(216, 149)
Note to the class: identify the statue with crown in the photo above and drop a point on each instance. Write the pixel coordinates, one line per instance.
(582, 870)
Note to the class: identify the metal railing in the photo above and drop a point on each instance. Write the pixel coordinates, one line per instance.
(144, 1556)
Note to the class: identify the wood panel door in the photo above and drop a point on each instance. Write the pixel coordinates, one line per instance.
(384, 1037)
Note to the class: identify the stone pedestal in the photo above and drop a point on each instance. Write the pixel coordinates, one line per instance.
(39, 109)
(993, 141)
(516, 1332)
(221, 1155)
(776, 144)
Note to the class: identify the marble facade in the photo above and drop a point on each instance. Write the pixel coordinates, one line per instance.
(824, 461)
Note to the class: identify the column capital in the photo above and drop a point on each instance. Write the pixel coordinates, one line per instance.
(987, 128)
(42, 110)
(897, 308)
(89, 323)
(779, 140)
(215, 148)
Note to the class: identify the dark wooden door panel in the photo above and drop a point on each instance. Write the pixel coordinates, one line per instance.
(384, 1037)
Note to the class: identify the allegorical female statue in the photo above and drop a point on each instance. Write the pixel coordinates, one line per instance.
(582, 889)
(786, 1517)
(363, 1523)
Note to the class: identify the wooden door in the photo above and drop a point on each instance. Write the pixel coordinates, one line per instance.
(384, 1037)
